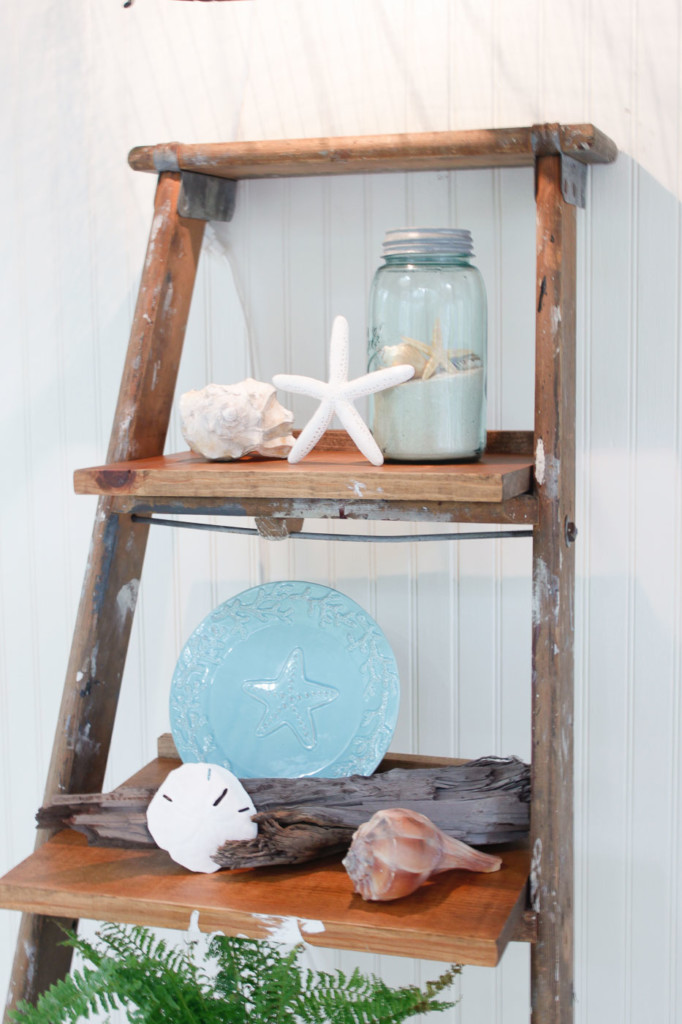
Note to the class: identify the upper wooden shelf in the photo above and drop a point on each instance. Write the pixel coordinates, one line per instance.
(335, 469)
(458, 917)
(491, 147)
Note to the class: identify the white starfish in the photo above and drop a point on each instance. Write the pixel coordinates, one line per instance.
(337, 396)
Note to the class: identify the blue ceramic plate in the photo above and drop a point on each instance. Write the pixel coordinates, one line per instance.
(286, 679)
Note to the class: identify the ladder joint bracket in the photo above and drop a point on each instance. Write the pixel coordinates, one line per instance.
(546, 141)
(206, 197)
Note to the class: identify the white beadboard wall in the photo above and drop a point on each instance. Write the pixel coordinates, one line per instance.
(82, 83)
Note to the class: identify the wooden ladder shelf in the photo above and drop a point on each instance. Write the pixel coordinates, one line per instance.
(64, 878)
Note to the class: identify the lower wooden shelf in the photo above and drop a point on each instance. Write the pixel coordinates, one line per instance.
(458, 917)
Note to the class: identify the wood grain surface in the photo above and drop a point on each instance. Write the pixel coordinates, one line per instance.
(458, 917)
(553, 604)
(492, 147)
(322, 474)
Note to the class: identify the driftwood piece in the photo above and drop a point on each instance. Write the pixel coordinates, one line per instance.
(118, 818)
(481, 802)
(287, 835)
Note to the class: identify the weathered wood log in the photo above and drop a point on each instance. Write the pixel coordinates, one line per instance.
(482, 802)
(287, 835)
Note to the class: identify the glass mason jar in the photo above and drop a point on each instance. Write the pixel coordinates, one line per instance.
(428, 308)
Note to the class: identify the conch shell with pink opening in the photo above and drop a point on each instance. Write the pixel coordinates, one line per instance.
(398, 850)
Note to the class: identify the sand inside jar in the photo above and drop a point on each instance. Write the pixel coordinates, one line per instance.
(438, 418)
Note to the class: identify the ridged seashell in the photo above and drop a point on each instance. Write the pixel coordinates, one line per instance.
(404, 354)
(464, 359)
(398, 850)
(226, 421)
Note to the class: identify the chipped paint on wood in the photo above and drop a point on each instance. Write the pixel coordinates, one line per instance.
(554, 318)
(540, 462)
(546, 592)
(126, 598)
(536, 874)
(288, 931)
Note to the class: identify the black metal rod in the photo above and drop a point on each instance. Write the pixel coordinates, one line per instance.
(357, 537)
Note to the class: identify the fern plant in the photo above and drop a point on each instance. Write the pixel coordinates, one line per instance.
(241, 981)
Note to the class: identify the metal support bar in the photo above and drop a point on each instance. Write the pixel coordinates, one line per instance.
(353, 537)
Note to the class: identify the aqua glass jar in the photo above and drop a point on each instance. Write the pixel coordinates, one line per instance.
(428, 308)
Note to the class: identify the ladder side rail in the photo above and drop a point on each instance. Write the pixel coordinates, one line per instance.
(551, 883)
(109, 593)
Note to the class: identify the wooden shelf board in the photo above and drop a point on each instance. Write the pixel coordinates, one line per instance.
(459, 917)
(492, 147)
(323, 474)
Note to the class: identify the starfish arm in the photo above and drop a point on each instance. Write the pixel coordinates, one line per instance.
(353, 423)
(419, 345)
(298, 385)
(378, 380)
(338, 352)
(312, 432)
(435, 364)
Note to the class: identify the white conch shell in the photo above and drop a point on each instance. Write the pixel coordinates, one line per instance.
(226, 421)
(195, 810)
(398, 850)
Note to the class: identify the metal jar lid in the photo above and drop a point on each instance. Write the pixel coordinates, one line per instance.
(428, 241)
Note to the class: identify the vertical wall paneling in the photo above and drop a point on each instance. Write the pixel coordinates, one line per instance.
(603, 543)
(583, 426)
(656, 472)
(518, 43)
(675, 915)
(472, 67)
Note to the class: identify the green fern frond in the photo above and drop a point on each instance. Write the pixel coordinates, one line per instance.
(75, 998)
(250, 982)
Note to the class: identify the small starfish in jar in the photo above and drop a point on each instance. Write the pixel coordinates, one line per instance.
(438, 357)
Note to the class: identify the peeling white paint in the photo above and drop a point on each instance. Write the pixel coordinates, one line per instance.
(311, 927)
(168, 300)
(540, 462)
(193, 932)
(93, 661)
(155, 373)
(545, 586)
(357, 488)
(535, 874)
(288, 930)
(79, 676)
(157, 224)
(84, 744)
(31, 954)
(547, 469)
(555, 318)
(124, 429)
(127, 597)
(195, 935)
